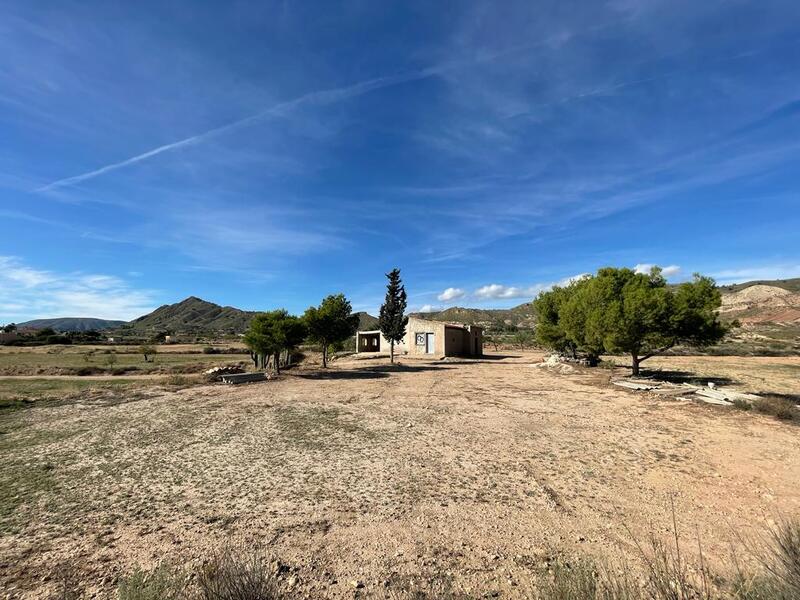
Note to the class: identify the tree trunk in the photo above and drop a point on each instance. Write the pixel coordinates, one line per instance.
(391, 351)
(277, 360)
(324, 355)
(635, 364)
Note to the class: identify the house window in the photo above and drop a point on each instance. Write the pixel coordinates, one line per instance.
(420, 339)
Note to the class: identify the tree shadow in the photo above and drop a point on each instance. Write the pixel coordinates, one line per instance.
(686, 377)
(790, 397)
(486, 357)
(370, 372)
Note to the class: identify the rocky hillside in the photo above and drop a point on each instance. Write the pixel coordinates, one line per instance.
(194, 315)
(762, 303)
(769, 315)
(366, 322)
(65, 324)
(519, 316)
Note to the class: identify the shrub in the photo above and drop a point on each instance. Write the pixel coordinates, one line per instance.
(123, 370)
(178, 380)
(779, 554)
(780, 408)
(68, 585)
(211, 350)
(160, 584)
(572, 581)
(84, 371)
(742, 404)
(238, 573)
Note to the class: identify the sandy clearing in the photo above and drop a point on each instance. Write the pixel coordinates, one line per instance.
(477, 468)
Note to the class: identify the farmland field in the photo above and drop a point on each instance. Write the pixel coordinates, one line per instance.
(479, 471)
(66, 360)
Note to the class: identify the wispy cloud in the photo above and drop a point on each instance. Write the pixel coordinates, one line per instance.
(762, 272)
(496, 291)
(451, 294)
(28, 293)
(668, 272)
(319, 97)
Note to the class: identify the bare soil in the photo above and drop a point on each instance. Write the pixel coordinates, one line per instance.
(479, 471)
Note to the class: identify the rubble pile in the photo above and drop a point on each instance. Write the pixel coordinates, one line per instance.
(710, 394)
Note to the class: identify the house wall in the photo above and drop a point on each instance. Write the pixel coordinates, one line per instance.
(385, 344)
(449, 340)
(421, 326)
(454, 341)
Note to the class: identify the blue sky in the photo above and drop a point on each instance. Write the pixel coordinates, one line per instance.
(264, 154)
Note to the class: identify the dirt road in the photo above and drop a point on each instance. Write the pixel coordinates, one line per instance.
(478, 471)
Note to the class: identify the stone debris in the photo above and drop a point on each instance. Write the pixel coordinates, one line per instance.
(223, 371)
(239, 378)
(556, 362)
(686, 391)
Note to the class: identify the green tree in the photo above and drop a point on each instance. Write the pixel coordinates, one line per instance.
(548, 307)
(290, 331)
(10, 328)
(492, 339)
(620, 311)
(523, 338)
(271, 333)
(147, 350)
(260, 338)
(391, 320)
(331, 322)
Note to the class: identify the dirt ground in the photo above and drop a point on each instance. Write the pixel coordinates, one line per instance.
(480, 471)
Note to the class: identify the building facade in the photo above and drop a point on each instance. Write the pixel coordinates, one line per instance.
(426, 338)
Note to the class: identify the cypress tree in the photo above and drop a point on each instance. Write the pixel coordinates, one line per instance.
(392, 321)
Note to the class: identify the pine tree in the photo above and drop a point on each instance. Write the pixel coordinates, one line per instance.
(332, 322)
(391, 321)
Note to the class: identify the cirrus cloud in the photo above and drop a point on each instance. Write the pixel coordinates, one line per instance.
(27, 293)
(451, 294)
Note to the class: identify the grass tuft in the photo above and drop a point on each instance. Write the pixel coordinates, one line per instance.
(239, 573)
(780, 408)
(159, 584)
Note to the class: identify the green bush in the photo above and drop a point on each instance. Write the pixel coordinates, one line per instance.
(160, 584)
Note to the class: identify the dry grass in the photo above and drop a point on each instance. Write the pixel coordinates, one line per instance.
(239, 572)
(780, 408)
(460, 475)
(159, 584)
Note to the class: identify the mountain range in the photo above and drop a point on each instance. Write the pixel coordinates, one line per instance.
(754, 304)
(71, 324)
(193, 315)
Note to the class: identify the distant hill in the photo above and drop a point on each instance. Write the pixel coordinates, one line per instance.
(790, 285)
(519, 316)
(761, 303)
(366, 322)
(71, 324)
(194, 315)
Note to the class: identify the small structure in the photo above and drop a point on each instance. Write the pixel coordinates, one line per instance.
(8, 337)
(426, 338)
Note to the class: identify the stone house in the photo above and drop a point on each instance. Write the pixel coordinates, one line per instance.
(426, 339)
